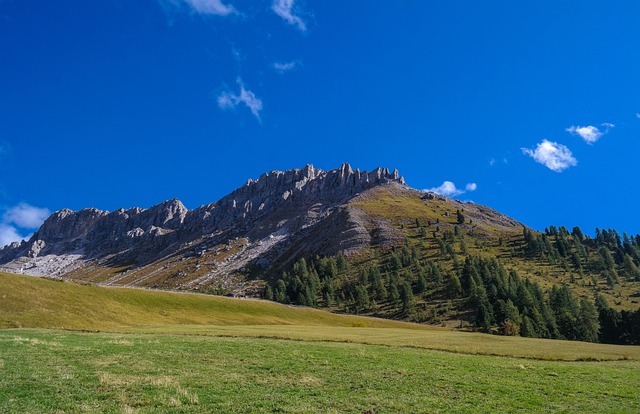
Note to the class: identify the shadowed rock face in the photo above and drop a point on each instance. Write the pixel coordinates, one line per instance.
(287, 202)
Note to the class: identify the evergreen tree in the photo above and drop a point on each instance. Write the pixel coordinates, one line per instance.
(566, 311)
(341, 263)
(528, 328)
(361, 299)
(434, 273)
(463, 247)
(421, 286)
(268, 293)
(280, 293)
(380, 290)
(328, 292)
(630, 269)
(396, 263)
(577, 233)
(394, 294)
(511, 323)
(588, 323)
(406, 295)
(453, 286)
(484, 320)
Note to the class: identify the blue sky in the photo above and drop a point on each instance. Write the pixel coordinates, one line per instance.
(531, 108)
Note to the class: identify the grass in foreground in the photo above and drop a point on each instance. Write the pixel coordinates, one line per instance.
(57, 371)
(30, 302)
(434, 339)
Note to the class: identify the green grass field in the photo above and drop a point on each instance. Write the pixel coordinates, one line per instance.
(169, 352)
(42, 303)
(56, 371)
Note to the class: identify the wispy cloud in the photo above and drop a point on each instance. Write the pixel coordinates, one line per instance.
(284, 9)
(24, 216)
(229, 100)
(493, 161)
(638, 115)
(589, 134)
(211, 7)
(8, 234)
(285, 67)
(552, 155)
(449, 189)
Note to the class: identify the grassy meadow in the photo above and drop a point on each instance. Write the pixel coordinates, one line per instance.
(159, 352)
(43, 303)
(59, 371)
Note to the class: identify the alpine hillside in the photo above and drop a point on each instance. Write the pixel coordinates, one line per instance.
(211, 247)
(356, 242)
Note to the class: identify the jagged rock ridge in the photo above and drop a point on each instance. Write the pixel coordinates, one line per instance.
(275, 206)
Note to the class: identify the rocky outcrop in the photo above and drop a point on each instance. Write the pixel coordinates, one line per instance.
(279, 201)
(300, 188)
(96, 233)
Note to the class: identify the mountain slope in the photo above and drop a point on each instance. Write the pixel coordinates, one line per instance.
(256, 219)
(40, 303)
(234, 243)
(350, 241)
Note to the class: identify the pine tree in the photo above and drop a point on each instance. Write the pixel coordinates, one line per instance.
(421, 285)
(341, 263)
(588, 322)
(268, 293)
(394, 294)
(577, 233)
(511, 323)
(453, 286)
(528, 328)
(361, 298)
(463, 247)
(280, 293)
(328, 292)
(396, 263)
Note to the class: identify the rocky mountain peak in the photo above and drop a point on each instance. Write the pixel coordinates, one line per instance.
(292, 189)
(278, 201)
(67, 224)
(170, 213)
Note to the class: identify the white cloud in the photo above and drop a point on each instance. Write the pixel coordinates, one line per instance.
(449, 189)
(214, 7)
(285, 67)
(493, 161)
(638, 115)
(26, 216)
(284, 9)
(229, 100)
(8, 234)
(552, 155)
(589, 134)
(23, 216)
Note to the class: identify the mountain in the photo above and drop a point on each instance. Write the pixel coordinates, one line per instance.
(279, 217)
(262, 216)
(356, 242)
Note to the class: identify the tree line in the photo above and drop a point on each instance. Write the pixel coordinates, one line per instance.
(408, 286)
